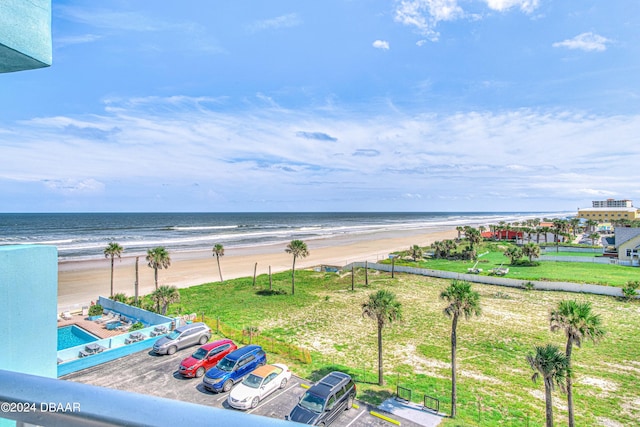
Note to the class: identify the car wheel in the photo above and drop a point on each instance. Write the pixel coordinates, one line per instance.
(227, 385)
(200, 372)
(203, 340)
(283, 383)
(349, 402)
(171, 350)
(254, 402)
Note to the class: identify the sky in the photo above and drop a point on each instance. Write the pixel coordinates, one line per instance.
(333, 105)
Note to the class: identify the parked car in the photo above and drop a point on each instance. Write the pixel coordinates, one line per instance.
(205, 357)
(182, 337)
(258, 385)
(233, 368)
(325, 400)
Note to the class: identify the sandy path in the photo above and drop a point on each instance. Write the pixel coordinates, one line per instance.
(80, 282)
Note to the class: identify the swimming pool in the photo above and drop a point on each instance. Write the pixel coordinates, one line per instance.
(71, 336)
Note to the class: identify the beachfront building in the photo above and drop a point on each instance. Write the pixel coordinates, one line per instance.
(612, 203)
(609, 213)
(627, 243)
(25, 35)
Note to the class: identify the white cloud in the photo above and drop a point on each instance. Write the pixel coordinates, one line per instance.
(585, 41)
(381, 44)
(425, 14)
(283, 21)
(460, 156)
(526, 6)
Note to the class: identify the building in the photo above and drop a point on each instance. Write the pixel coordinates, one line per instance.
(627, 243)
(608, 214)
(611, 203)
(609, 210)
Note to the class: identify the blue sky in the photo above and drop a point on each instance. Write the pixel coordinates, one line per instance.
(334, 105)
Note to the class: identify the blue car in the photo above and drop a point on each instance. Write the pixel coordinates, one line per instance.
(233, 368)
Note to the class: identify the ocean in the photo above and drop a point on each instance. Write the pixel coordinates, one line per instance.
(85, 235)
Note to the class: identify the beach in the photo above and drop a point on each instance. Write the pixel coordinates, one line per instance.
(82, 281)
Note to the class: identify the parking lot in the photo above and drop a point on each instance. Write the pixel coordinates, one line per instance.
(155, 375)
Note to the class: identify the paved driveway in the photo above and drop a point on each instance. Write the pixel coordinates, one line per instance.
(148, 373)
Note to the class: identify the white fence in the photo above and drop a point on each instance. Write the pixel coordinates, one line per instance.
(497, 281)
(593, 260)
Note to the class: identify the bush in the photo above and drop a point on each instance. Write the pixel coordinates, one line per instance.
(528, 286)
(95, 310)
(136, 326)
(630, 290)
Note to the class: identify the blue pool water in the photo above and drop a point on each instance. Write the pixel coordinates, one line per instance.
(71, 336)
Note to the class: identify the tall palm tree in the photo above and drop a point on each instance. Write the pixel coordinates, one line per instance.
(384, 308)
(462, 302)
(578, 323)
(218, 251)
(112, 250)
(158, 258)
(165, 295)
(474, 236)
(552, 365)
(298, 249)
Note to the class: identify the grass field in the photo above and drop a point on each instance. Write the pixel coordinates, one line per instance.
(494, 380)
(579, 272)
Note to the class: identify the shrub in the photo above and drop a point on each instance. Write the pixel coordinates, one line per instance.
(630, 289)
(136, 326)
(120, 297)
(528, 286)
(95, 310)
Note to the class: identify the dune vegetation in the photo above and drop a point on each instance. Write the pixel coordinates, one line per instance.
(494, 386)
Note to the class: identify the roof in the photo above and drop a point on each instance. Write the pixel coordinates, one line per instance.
(624, 234)
(328, 383)
(263, 371)
(611, 209)
(214, 344)
(235, 355)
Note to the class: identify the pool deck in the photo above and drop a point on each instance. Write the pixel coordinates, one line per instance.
(97, 329)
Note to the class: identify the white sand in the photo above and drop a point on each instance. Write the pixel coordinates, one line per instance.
(80, 282)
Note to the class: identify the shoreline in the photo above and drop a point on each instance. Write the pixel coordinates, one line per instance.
(82, 281)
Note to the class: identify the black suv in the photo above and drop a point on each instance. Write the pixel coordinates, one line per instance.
(325, 401)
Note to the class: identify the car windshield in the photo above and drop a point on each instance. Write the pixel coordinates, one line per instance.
(225, 365)
(252, 381)
(200, 354)
(312, 402)
(173, 335)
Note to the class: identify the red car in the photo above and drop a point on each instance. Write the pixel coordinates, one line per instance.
(205, 357)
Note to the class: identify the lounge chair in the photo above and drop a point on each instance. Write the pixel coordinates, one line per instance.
(125, 327)
(106, 317)
(66, 315)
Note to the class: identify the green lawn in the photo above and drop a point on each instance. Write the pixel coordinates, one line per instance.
(579, 272)
(494, 385)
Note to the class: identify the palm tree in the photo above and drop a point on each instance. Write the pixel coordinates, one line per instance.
(514, 253)
(218, 251)
(297, 248)
(531, 250)
(384, 308)
(112, 250)
(158, 258)
(552, 365)
(578, 323)
(165, 295)
(462, 301)
(474, 236)
(415, 252)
